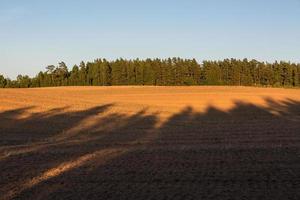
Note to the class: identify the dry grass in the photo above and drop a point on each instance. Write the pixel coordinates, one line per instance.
(149, 143)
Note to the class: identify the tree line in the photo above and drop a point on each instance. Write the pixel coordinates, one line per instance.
(163, 72)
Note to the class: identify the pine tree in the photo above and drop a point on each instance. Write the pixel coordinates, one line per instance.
(2, 81)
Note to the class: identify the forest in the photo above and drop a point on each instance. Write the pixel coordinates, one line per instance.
(162, 72)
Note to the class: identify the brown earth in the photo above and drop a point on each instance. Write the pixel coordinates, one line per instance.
(150, 143)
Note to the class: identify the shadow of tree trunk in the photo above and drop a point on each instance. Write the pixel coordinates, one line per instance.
(247, 152)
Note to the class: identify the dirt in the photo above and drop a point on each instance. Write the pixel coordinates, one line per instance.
(150, 143)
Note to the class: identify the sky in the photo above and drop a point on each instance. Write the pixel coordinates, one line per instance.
(37, 33)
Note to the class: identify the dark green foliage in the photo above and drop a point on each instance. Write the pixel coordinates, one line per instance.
(169, 72)
(23, 81)
(2, 81)
(250, 73)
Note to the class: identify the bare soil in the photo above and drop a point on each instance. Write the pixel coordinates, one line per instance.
(150, 143)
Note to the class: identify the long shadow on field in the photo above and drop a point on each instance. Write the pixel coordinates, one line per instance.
(38, 127)
(37, 148)
(247, 152)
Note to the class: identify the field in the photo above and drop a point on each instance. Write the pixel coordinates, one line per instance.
(150, 143)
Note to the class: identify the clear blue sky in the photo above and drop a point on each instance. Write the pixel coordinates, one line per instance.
(37, 33)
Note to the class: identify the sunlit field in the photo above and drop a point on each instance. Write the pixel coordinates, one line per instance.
(150, 143)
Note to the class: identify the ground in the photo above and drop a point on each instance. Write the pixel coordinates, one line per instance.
(150, 143)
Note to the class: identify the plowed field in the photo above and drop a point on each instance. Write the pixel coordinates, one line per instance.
(150, 143)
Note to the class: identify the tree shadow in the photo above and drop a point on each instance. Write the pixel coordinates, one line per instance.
(247, 152)
(66, 144)
(39, 127)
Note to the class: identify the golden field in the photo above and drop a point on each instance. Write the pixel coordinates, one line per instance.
(149, 143)
(163, 100)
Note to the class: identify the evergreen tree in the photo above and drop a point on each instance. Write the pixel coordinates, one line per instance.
(82, 74)
(23, 81)
(171, 71)
(2, 81)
